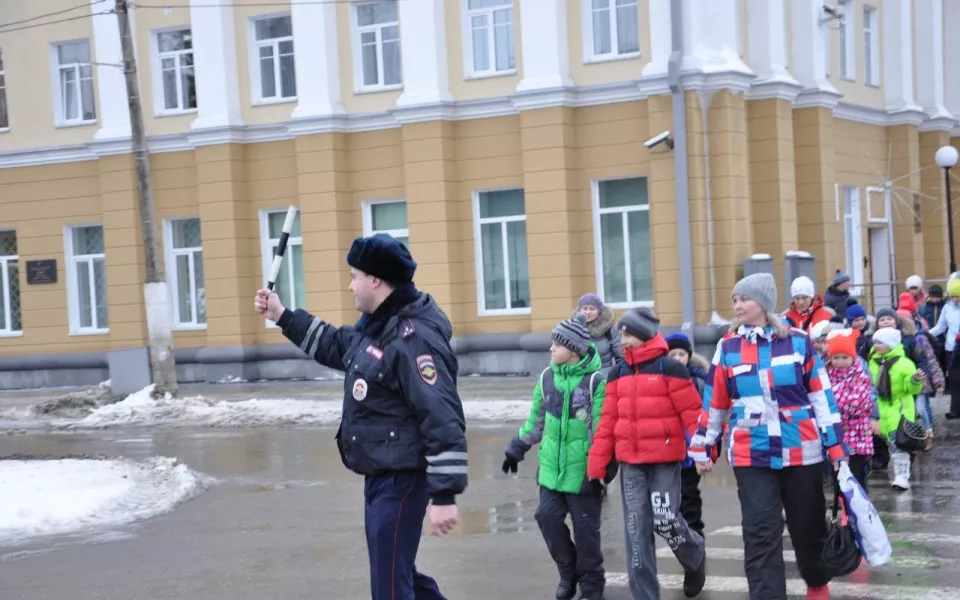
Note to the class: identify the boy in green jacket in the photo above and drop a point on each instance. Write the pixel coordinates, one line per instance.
(898, 381)
(567, 402)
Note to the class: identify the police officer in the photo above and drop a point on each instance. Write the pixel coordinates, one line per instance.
(402, 426)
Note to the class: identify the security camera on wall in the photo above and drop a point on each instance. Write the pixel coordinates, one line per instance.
(659, 139)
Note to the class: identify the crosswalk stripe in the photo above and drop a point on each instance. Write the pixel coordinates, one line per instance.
(796, 587)
(908, 562)
(895, 536)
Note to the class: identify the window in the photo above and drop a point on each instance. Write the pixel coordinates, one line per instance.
(177, 81)
(74, 102)
(185, 262)
(848, 46)
(388, 217)
(853, 238)
(614, 29)
(500, 239)
(4, 119)
(274, 77)
(622, 241)
(491, 37)
(871, 46)
(86, 279)
(378, 43)
(9, 285)
(289, 282)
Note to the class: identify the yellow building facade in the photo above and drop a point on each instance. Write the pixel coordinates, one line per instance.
(503, 141)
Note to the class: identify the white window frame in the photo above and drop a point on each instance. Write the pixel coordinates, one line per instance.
(598, 242)
(73, 291)
(847, 43)
(3, 93)
(852, 214)
(256, 88)
(871, 62)
(266, 254)
(156, 60)
(467, 35)
(356, 34)
(825, 29)
(586, 17)
(55, 68)
(482, 310)
(368, 229)
(172, 280)
(5, 297)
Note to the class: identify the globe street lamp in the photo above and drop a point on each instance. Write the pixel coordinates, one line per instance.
(946, 159)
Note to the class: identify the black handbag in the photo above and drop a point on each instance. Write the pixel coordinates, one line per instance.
(910, 435)
(841, 554)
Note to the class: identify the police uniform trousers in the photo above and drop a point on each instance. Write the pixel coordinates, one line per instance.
(394, 509)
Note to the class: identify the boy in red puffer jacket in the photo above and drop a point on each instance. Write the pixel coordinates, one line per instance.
(651, 407)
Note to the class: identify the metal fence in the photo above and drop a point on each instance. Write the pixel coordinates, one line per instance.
(887, 292)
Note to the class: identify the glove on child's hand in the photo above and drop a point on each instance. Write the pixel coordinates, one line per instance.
(510, 464)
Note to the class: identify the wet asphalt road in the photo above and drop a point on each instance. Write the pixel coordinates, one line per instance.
(284, 520)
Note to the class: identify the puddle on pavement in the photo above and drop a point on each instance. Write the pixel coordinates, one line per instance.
(512, 517)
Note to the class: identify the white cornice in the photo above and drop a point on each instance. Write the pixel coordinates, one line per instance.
(775, 89)
(817, 98)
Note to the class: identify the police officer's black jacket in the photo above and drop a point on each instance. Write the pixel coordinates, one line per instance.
(401, 409)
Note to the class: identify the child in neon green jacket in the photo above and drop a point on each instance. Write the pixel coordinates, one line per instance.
(898, 381)
(567, 402)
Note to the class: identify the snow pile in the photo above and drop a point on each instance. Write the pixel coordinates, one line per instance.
(55, 497)
(75, 404)
(142, 409)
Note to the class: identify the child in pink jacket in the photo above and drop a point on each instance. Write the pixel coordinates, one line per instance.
(852, 387)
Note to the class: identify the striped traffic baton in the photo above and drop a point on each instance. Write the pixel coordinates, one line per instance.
(281, 247)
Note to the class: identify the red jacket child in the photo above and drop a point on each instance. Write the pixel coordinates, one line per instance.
(651, 407)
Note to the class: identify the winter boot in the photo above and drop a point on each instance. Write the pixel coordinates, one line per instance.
(567, 589)
(693, 581)
(818, 593)
(901, 471)
(928, 441)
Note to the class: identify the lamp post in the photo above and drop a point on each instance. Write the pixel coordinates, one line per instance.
(946, 159)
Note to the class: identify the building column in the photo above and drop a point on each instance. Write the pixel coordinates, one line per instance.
(546, 62)
(123, 247)
(661, 39)
(215, 64)
(773, 186)
(767, 42)
(231, 248)
(710, 38)
(555, 225)
(929, 52)
(904, 143)
(809, 56)
(435, 210)
(113, 111)
(423, 46)
(316, 63)
(897, 49)
(936, 250)
(951, 23)
(328, 219)
(817, 229)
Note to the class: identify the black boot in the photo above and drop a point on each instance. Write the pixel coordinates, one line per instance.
(693, 581)
(567, 589)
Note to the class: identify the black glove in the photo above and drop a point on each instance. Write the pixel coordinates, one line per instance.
(510, 464)
(598, 487)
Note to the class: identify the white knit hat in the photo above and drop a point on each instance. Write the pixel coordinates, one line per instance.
(914, 281)
(820, 329)
(802, 286)
(888, 336)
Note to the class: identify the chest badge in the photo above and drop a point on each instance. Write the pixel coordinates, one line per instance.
(359, 390)
(427, 369)
(582, 414)
(375, 352)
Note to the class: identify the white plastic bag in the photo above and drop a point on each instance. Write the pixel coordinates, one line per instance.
(871, 534)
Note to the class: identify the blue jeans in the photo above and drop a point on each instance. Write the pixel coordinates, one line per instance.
(923, 409)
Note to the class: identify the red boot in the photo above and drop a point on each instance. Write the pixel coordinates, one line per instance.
(818, 593)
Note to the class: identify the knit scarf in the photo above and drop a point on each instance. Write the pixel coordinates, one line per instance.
(884, 387)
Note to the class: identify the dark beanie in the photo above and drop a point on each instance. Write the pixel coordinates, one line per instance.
(573, 334)
(678, 341)
(641, 323)
(935, 291)
(887, 312)
(383, 257)
(855, 311)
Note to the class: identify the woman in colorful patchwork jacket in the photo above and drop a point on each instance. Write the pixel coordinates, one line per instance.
(783, 419)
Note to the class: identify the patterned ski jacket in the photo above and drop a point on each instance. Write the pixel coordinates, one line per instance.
(853, 389)
(778, 396)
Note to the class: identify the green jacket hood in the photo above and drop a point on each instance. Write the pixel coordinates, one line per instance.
(897, 351)
(590, 363)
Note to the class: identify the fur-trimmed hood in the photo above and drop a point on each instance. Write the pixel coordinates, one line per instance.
(604, 323)
(698, 361)
(907, 326)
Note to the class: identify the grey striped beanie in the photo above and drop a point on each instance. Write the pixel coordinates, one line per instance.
(573, 334)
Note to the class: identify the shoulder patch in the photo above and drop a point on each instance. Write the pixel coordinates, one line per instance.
(427, 369)
(406, 328)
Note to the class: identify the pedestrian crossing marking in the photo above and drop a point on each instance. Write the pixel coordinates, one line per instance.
(796, 587)
(898, 560)
(895, 536)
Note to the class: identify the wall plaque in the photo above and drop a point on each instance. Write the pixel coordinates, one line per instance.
(42, 271)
